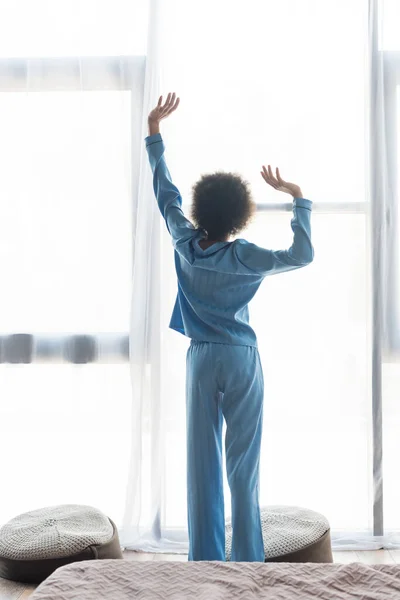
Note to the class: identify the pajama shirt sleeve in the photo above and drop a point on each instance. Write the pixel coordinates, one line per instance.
(268, 262)
(168, 197)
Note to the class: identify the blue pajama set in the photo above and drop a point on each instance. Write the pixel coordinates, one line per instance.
(224, 378)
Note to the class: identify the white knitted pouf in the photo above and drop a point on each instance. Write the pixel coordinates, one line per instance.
(36, 543)
(54, 532)
(287, 530)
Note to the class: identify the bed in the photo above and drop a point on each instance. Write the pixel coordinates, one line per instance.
(124, 579)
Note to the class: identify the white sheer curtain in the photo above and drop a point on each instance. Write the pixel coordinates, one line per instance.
(287, 83)
(71, 86)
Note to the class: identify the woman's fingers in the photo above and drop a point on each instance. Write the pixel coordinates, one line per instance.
(171, 108)
(164, 107)
(277, 182)
(176, 104)
(274, 182)
(264, 174)
(269, 177)
(171, 101)
(171, 104)
(279, 178)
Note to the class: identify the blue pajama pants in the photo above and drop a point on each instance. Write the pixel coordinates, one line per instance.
(224, 381)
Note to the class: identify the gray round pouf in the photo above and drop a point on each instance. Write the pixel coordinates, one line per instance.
(35, 544)
(291, 534)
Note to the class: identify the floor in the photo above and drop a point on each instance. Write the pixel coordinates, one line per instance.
(15, 591)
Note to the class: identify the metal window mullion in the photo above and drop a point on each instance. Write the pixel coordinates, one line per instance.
(318, 207)
(326, 208)
(69, 74)
(376, 228)
(26, 348)
(392, 281)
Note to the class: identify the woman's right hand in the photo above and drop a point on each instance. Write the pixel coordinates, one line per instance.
(279, 184)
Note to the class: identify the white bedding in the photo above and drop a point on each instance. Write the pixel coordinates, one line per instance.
(124, 579)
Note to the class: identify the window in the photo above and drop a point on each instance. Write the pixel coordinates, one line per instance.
(54, 28)
(296, 104)
(71, 85)
(67, 189)
(65, 227)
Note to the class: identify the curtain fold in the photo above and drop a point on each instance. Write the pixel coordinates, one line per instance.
(142, 525)
(70, 73)
(65, 278)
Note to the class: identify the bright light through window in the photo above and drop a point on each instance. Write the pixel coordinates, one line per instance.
(73, 27)
(65, 229)
(391, 21)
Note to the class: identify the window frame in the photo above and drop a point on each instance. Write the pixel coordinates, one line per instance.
(128, 73)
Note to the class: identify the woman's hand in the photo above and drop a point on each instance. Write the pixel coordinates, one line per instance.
(279, 184)
(162, 111)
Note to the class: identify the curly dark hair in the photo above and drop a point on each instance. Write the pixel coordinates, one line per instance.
(222, 204)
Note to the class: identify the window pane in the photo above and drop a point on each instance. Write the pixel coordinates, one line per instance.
(270, 95)
(390, 15)
(64, 437)
(65, 234)
(73, 27)
(312, 329)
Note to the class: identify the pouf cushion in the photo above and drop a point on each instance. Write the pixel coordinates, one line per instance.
(35, 544)
(291, 534)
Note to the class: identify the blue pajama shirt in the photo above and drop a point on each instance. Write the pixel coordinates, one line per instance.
(224, 378)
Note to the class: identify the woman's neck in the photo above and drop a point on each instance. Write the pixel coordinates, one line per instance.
(204, 244)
